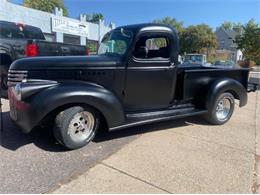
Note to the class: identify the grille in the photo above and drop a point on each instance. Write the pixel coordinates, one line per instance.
(16, 76)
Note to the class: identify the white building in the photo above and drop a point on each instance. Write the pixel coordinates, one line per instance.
(55, 26)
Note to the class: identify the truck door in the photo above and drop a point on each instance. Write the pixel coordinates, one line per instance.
(151, 73)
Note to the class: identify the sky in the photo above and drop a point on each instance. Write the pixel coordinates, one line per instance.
(190, 12)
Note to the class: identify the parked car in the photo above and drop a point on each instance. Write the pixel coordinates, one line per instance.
(224, 63)
(195, 60)
(127, 84)
(19, 40)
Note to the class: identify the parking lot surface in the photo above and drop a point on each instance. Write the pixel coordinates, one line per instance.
(36, 163)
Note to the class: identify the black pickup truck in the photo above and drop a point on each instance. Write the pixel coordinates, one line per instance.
(134, 79)
(19, 41)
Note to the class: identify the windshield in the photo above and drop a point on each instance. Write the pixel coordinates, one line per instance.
(115, 42)
(223, 63)
(193, 58)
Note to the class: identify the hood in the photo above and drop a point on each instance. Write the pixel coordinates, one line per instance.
(64, 62)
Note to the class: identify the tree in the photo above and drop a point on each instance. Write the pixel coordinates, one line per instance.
(92, 46)
(171, 22)
(237, 27)
(249, 41)
(94, 18)
(47, 6)
(227, 25)
(197, 39)
(193, 39)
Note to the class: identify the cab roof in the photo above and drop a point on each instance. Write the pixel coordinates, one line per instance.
(146, 26)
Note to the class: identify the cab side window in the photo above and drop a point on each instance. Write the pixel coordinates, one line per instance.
(152, 47)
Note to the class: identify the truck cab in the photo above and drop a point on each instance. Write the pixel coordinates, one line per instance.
(134, 79)
(150, 59)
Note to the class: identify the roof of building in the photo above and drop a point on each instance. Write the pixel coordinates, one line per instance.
(229, 32)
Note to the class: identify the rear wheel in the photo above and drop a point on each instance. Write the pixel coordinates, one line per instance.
(75, 127)
(3, 81)
(221, 109)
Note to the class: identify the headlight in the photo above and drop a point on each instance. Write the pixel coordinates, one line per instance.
(18, 92)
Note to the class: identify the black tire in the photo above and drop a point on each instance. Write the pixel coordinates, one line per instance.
(63, 126)
(212, 115)
(3, 81)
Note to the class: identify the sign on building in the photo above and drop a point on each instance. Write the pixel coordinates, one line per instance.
(73, 27)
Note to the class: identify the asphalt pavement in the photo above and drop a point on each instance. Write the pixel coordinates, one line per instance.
(36, 163)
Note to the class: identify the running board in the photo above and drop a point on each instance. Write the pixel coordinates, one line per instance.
(150, 117)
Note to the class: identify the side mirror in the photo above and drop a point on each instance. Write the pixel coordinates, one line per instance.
(141, 52)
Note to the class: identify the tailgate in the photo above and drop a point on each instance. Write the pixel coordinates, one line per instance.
(16, 47)
(46, 48)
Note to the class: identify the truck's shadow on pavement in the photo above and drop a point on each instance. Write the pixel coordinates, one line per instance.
(12, 138)
(159, 126)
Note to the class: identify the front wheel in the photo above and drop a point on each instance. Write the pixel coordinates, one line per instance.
(75, 127)
(221, 109)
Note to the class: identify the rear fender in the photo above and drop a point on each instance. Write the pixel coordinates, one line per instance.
(226, 85)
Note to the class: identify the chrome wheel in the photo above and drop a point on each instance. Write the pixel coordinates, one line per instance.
(223, 109)
(81, 126)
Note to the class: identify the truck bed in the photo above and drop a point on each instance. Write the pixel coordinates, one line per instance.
(195, 81)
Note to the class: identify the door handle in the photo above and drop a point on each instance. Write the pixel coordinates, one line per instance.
(172, 65)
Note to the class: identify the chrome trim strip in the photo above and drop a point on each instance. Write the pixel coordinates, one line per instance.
(12, 83)
(41, 80)
(16, 79)
(140, 60)
(148, 68)
(18, 71)
(161, 112)
(16, 75)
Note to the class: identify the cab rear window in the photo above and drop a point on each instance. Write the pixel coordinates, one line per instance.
(19, 31)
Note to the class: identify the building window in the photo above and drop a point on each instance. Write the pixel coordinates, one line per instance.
(222, 44)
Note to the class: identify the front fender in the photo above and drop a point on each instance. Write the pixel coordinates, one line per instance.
(226, 85)
(48, 99)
